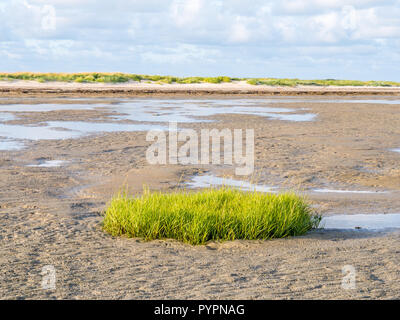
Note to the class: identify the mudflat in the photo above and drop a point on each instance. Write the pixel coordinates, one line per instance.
(51, 212)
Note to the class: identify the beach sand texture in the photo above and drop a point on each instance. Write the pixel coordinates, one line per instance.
(52, 215)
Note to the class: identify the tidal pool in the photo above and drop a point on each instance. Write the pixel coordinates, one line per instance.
(347, 191)
(49, 164)
(361, 221)
(377, 101)
(140, 110)
(9, 144)
(358, 221)
(166, 110)
(5, 116)
(46, 107)
(213, 181)
(12, 136)
(191, 110)
(147, 110)
(369, 101)
(210, 180)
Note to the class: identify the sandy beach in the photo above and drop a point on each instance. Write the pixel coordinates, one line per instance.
(34, 88)
(52, 215)
(206, 156)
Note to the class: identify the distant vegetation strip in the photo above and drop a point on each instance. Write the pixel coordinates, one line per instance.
(93, 77)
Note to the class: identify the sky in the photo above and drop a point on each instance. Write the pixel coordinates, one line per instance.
(307, 39)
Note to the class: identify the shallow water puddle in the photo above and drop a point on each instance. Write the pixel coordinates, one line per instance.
(363, 221)
(4, 116)
(347, 191)
(34, 132)
(369, 101)
(49, 164)
(247, 102)
(210, 180)
(396, 150)
(55, 130)
(213, 181)
(46, 107)
(173, 110)
(143, 110)
(294, 117)
(96, 127)
(377, 101)
(9, 144)
(188, 110)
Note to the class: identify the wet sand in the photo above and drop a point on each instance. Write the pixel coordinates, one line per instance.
(52, 215)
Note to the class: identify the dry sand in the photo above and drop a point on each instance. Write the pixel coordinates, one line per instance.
(34, 88)
(52, 216)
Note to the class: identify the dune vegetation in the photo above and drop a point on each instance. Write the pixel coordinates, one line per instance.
(209, 215)
(93, 77)
(326, 82)
(107, 77)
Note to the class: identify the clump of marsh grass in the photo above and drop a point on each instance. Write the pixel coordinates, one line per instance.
(210, 214)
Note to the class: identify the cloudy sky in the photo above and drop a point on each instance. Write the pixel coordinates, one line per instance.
(346, 39)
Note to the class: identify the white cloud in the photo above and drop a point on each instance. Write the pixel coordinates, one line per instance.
(349, 18)
(179, 55)
(332, 37)
(22, 18)
(4, 54)
(239, 32)
(184, 12)
(49, 18)
(314, 6)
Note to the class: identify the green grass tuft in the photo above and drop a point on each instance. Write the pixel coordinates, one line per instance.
(211, 214)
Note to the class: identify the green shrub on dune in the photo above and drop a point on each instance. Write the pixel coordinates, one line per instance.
(118, 77)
